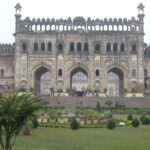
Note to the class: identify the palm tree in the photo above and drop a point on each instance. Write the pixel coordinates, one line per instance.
(15, 110)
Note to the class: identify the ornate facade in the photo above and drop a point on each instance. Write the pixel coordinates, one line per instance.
(80, 54)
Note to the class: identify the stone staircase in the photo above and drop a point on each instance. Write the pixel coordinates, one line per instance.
(73, 102)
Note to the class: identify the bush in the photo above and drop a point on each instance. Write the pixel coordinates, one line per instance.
(135, 122)
(98, 107)
(35, 123)
(111, 124)
(74, 125)
(130, 117)
(142, 117)
(145, 120)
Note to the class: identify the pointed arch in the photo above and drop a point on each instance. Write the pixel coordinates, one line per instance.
(42, 81)
(79, 79)
(115, 81)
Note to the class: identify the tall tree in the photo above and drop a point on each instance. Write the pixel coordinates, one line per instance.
(14, 113)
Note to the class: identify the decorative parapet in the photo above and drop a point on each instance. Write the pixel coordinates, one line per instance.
(79, 23)
(7, 49)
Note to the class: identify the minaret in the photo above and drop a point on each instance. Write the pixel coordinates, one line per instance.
(18, 16)
(141, 17)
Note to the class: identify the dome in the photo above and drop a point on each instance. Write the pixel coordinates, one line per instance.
(79, 21)
(18, 6)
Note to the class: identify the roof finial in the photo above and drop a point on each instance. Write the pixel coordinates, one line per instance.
(18, 9)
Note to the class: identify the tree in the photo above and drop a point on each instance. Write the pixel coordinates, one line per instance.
(135, 122)
(74, 125)
(15, 110)
(130, 117)
(111, 124)
(98, 107)
(145, 120)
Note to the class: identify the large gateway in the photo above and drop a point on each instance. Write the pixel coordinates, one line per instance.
(82, 55)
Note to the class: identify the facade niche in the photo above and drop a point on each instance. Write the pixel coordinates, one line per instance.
(133, 73)
(145, 73)
(97, 73)
(122, 47)
(60, 72)
(2, 72)
(72, 46)
(49, 46)
(115, 47)
(79, 47)
(97, 47)
(42, 47)
(86, 47)
(24, 47)
(108, 47)
(134, 48)
(35, 46)
(60, 47)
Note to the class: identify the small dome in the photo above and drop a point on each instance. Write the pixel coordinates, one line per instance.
(18, 6)
(79, 21)
(141, 6)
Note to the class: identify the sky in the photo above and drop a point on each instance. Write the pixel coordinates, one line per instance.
(69, 8)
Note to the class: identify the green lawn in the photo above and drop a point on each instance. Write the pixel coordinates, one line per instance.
(126, 138)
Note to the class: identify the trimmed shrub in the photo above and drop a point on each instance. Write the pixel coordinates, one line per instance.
(111, 124)
(74, 125)
(142, 117)
(135, 122)
(98, 107)
(145, 120)
(130, 117)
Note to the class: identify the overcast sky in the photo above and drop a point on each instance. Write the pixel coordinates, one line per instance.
(69, 8)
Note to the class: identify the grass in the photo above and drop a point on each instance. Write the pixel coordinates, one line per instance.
(126, 138)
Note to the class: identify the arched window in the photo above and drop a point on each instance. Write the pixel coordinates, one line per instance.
(35, 46)
(86, 47)
(115, 47)
(108, 47)
(2, 72)
(71, 46)
(60, 47)
(24, 47)
(122, 47)
(42, 47)
(97, 47)
(49, 46)
(97, 72)
(134, 48)
(60, 72)
(79, 47)
(133, 73)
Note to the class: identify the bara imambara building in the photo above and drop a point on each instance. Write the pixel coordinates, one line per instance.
(105, 56)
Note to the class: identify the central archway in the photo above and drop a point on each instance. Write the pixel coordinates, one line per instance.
(79, 79)
(115, 82)
(42, 81)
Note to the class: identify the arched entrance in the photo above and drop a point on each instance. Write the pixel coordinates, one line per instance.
(115, 82)
(79, 79)
(42, 81)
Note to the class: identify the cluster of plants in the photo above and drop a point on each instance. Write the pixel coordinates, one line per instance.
(17, 113)
(135, 122)
(136, 111)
